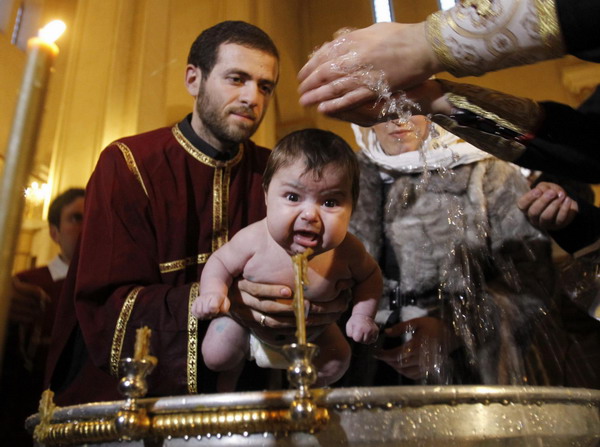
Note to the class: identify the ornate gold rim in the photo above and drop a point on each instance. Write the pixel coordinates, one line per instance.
(208, 422)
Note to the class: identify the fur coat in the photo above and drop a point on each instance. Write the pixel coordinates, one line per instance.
(464, 253)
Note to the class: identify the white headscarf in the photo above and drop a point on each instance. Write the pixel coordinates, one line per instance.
(441, 150)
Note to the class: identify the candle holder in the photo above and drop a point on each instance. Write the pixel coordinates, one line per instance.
(132, 421)
(302, 374)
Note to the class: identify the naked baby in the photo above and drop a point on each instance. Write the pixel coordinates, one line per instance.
(311, 185)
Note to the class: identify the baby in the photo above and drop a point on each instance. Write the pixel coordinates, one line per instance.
(311, 185)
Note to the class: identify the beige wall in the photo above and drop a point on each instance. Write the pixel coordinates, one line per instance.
(121, 64)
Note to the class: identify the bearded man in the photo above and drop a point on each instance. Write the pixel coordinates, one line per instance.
(159, 204)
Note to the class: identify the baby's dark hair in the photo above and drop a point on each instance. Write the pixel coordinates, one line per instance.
(205, 49)
(318, 148)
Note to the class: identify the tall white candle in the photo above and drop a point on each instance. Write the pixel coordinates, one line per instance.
(20, 151)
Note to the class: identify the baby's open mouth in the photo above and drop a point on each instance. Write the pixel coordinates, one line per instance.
(305, 238)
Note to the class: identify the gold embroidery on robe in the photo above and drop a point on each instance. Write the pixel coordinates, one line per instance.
(192, 360)
(220, 207)
(117, 344)
(131, 164)
(201, 156)
(180, 264)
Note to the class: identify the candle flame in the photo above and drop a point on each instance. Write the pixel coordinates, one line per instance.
(52, 31)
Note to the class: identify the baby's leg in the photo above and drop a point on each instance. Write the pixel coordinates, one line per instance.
(334, 355)
(224, 349)
(225, 344)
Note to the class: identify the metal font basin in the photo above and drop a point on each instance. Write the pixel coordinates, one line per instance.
(420, 416)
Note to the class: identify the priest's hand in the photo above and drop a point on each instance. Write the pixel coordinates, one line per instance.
(349, 71)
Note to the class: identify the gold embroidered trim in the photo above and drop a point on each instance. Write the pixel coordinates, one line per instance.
(121, 327)
(220, 207)
(519, 114)
(202, 157)
(192, 360)
(483, 7)
(131, 164)
(463, 103)
(502, 148)
(180, 264)
(433, 31)
(549, 28)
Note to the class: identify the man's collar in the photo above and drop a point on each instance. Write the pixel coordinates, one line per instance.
(185, 126)
(58, 268)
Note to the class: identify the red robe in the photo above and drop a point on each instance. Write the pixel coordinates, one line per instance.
(21, 385)
(156, 207)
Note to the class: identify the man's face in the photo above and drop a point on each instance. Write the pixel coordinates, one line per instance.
(71, 218)
(397, 137)
(231, 102)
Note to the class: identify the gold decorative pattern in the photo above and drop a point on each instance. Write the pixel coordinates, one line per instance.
(463, 103)
(248, 421)
(503, 148)
(119, 336)
(131, 164)
(192, 360)
(549, 27)
(220, 185)
(220, 207)
(483, 7)
(519, 114)
(478, 36)
(180, 264)
(201, 156)
(80, 432)
(210, 421)
(433, 27)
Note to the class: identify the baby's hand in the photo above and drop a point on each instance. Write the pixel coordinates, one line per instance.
(362, 329)
(210, 305)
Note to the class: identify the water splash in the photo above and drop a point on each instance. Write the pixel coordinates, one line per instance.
(486, 318)
(391, 104)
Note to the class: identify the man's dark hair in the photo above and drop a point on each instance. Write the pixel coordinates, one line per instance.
(319, 148)
(205, 49)
(60, 201)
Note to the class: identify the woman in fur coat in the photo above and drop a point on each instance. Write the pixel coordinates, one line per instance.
(467, 276)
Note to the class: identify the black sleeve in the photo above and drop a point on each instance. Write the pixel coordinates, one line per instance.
(583, 231)
(567, 144)
(578, 21)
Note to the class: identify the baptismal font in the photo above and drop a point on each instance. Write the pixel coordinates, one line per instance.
(413, 416)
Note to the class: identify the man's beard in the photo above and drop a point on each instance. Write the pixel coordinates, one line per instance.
(215, 119)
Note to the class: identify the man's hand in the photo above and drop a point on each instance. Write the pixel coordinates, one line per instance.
(269, 305)
(429, 96)
(27, 303)
(548, 207)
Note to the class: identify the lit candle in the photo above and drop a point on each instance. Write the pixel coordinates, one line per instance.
(20, 151)
(300, 262)
(141, 348)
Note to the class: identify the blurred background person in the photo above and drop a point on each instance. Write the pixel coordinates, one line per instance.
(32, 311)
